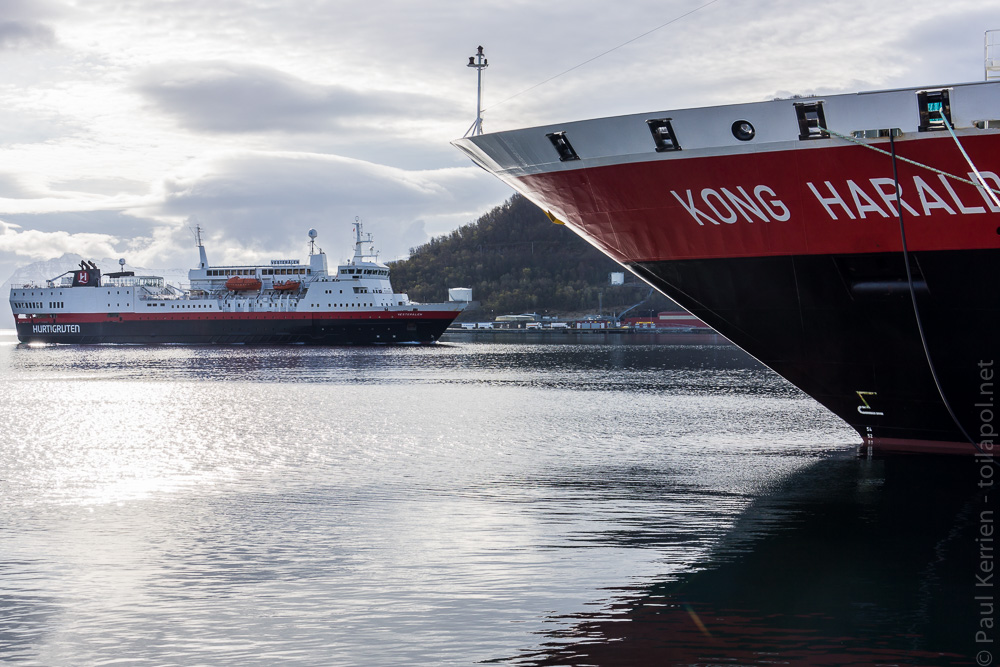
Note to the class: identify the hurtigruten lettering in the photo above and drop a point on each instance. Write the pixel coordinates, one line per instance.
(55, 328)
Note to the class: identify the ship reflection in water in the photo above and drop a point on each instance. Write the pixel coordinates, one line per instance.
(848, 562)
(586, 501)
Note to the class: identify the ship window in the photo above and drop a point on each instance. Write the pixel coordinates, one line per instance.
(562, 146)
(812, 121)
(663, 135)
(932, 104)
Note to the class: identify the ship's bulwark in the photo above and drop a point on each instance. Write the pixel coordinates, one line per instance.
(793, 249)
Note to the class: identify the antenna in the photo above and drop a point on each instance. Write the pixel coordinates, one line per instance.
(203, 258)
(312, 241)
(479, 63)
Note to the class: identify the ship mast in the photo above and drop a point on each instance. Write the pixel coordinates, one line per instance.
(479, 63)
(359, 255)
(202, 257)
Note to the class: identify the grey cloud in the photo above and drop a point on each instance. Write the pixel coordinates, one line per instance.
(219, 96)
(25, 34)
(269, 200)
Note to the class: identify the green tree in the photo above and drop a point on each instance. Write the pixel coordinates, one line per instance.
(516, 260)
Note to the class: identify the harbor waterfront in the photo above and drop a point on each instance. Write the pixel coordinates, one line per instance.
(572, 499)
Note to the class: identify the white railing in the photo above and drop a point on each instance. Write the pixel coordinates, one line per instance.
(991, 53)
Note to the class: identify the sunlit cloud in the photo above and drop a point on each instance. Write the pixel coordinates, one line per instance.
(35, 245)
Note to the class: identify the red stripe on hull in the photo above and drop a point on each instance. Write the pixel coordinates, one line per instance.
(762, 204)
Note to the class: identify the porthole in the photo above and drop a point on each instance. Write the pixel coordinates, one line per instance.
(744, 130)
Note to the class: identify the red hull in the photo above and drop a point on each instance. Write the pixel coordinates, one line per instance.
(788, 241)
(757, 205)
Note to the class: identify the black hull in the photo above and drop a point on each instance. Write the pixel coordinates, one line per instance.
(239, 331)
(842, 328)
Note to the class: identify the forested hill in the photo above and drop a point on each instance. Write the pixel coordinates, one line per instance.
(516, 260)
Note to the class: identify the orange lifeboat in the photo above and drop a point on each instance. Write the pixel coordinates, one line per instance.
(238, 284)
(287, 286)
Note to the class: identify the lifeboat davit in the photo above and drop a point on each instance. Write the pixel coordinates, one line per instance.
(287, 286)
(238, 284)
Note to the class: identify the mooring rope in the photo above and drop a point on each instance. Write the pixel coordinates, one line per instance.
(960, 179)
(909, 277)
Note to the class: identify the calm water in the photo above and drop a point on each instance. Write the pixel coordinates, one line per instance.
(579, 502)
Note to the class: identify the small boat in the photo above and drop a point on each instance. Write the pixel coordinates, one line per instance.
(238, 284)
(287, 286)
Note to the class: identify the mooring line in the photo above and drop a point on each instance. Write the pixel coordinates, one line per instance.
(855, 140)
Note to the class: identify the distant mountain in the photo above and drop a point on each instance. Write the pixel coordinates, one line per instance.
(38, 272)
(516, 260)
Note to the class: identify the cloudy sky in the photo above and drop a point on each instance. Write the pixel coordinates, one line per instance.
(125, 122)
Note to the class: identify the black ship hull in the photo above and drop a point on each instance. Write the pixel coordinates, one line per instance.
(843, 329)
(225, 331)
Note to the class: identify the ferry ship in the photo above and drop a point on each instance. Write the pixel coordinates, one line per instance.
(778, 224)
(284, 302)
